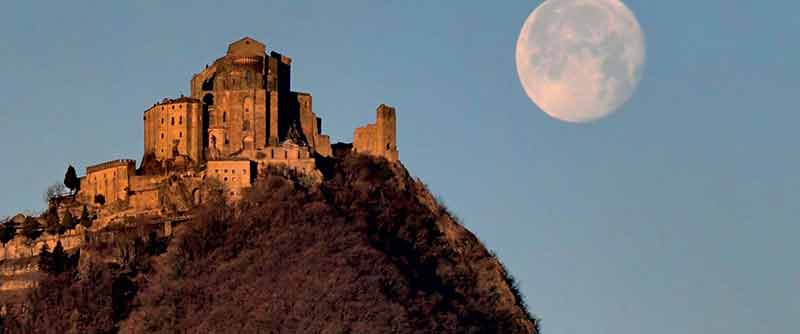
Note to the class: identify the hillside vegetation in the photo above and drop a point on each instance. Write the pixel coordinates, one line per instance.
(368, 250)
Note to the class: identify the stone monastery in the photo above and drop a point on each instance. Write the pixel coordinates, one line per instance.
(242, 116)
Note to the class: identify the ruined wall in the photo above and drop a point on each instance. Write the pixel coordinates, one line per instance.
(324, 146)
(379, 138)
(364, 138)
(311, 125)
(173, 128)
(110, 179)
(386, 136)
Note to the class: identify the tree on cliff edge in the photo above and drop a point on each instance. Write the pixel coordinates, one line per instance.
(85, 220)
(7, 232)
(31, 229)
(71, 180)
(68, 221)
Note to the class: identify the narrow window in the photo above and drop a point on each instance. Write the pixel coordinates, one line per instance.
(180, 134)
(173, 121)
(224, 116)
(180, 120)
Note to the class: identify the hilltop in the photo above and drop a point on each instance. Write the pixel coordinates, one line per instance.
(366, 250)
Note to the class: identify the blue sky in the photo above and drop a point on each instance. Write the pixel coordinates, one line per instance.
(676, 214)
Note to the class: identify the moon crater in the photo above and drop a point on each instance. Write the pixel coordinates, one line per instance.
(580, 60)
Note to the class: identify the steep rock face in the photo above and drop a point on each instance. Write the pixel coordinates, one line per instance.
(367, 250)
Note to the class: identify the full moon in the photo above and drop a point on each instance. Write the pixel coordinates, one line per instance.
(580, 60)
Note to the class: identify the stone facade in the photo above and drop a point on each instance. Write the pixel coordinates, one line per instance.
(379, 138)
(174, 128)
(247, 105)
(235, 175)
(109, 179)
(241, 117)
(241, 112)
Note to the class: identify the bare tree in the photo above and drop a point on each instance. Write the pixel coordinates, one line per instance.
(54, 191)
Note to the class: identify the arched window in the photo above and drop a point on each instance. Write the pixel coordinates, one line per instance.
(180, 120)
(224, 116)
(208, 99)
(173, 121)
(180, 134)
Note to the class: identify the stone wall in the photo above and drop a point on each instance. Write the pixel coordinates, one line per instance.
(110, 179)
(174, 128)
(379, 138)
(145, 192)
(247, 98)
(21, 247)
(17, 275)
(235, 175)
(237, 123)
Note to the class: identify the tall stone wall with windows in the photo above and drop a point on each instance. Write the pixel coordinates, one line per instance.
(174, 128)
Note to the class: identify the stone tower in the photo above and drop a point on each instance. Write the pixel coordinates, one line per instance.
(379, 138)
(247, 105)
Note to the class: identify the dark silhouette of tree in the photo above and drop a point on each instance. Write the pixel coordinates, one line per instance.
(7, 232)
(57, 261)
(46, 259)
(31, 229)
(59, 258)
(71, 180)
(85, 220)
(68, 222)
(53, 226)
(100, 199)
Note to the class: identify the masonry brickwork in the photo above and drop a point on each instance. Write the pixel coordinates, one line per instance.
(240, 118)
(241, 111)
(379, 138)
